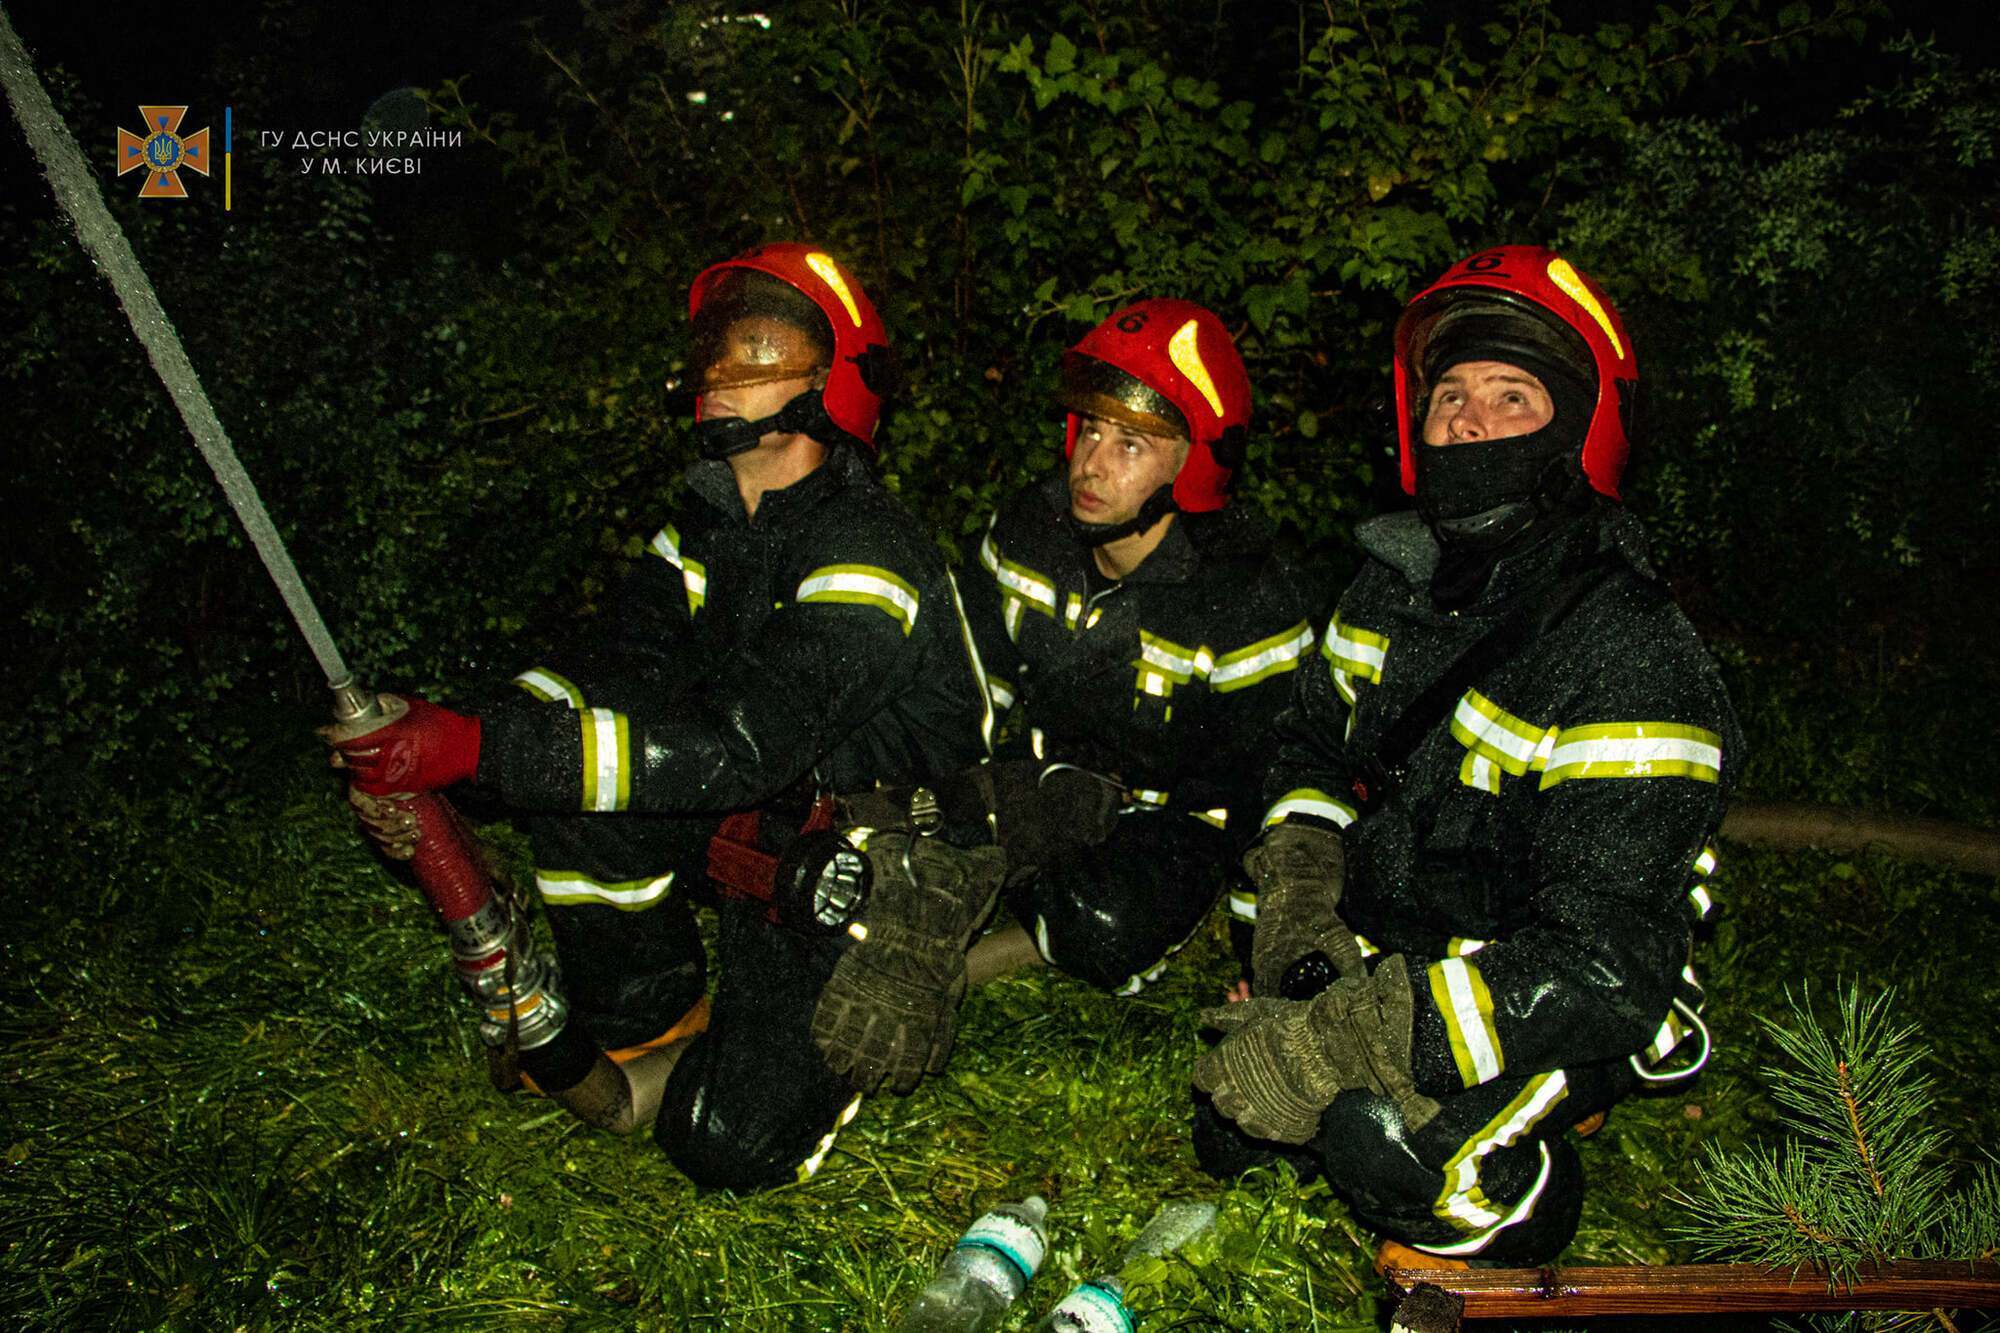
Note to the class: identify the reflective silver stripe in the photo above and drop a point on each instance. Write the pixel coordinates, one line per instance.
(565, 888)
(666, 544)
(694, 577)
(863, 585)
(549, 687)
(1517, 746)
(1002, 696)
(1476, 1205)
(1243, 906)
(1466, 1005)
(1309, 801)
(1360, 652)
(1635, 750)
(986, 686)
(1023, 582)
(1261, 660)
(825, 1145)
(607, 749)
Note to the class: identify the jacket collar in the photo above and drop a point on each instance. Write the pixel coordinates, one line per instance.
(715, 481)
(1403, 542)
(1190, 539)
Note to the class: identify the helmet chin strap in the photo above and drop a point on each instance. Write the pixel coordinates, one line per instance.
(722, 438)
(1158, 505)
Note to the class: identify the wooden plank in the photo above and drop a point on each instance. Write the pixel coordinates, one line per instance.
(1517, 1293)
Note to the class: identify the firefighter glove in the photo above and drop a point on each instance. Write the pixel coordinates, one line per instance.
(1044, 814)
(1281, 1063)
(889, 1009)
(391, 823)
(426, 749)
(1298, 870)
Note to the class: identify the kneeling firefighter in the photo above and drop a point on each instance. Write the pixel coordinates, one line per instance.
(790, 635)
(1489, 822)
(1142, 631)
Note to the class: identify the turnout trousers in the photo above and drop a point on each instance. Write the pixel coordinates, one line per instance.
(751, 1103)
(1111, 913)
(1492, 1178)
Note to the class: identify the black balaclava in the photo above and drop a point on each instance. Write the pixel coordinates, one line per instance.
(1484, 500)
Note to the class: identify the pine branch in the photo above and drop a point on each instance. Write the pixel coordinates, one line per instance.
(1854, 1127)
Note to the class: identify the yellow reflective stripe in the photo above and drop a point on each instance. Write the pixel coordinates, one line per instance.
(1704, 862)
(1214, 818)
(566, 888)
(1359, 652)
(862, 585)
(1634, 750)
(1477, 771)
(822, 264)
(825, 1145)
(1461, 1202)
(1672, 1029)
(1170, 658)
(1467, 1006)
(1184, 350)
(1072, 611)
(1260, 660)
(1571, 282)
(1142, 796)
(1343, 685)
(1516, 745)
(607, 760)
(1459, 947)
(666, 544)
(694, 577)
(549, 687)
(1368, 949)
(1243, 905)
(1002, 696)
(1031, 587)
(1010, 617)
(1309, 801)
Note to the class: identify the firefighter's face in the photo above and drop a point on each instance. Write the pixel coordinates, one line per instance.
(1114, 468)
(1485, 400)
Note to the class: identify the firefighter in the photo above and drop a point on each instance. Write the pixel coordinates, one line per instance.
(1490, 816)
(791, 634)
(1143, 631)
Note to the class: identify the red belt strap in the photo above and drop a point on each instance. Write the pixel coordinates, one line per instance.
(738, 863)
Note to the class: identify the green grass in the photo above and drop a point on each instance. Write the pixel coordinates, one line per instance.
(240, 1091)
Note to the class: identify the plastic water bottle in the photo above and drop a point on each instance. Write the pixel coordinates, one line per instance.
(985, 1272)
(1097, 1305)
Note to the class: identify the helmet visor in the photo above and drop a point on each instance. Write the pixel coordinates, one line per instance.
(754, 329)
(1097, 388)
(1491, 326)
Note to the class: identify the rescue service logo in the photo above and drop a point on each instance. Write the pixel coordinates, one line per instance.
(162, 151)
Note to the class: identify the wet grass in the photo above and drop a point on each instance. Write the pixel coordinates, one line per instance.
(239, 1092)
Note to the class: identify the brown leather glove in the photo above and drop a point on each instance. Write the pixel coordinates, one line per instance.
(1043, 813)
(1281, 1063)
(889, 1011)
(1298, 871)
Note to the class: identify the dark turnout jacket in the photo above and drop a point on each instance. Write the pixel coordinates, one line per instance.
(1540, 860)
(1170, 678)
(819, 640)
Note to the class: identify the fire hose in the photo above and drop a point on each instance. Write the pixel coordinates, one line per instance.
(489, 942)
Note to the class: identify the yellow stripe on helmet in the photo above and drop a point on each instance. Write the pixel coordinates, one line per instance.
(1567, 278)
(829, 273)
(1186, 356)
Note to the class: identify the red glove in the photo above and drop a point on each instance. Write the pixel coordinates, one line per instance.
(427, 749)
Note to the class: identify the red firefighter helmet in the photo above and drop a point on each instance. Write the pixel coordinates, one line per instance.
(1166, 367)
(854, 382)
(1541, 282)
